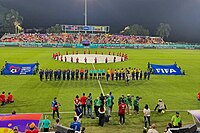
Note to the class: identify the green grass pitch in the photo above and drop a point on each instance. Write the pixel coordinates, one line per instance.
(178, 92)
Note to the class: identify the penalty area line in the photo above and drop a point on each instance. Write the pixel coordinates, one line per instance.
(99, 81)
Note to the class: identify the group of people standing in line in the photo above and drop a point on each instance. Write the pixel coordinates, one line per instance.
(109, 74)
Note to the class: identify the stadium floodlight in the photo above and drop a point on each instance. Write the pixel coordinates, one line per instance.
(85, 14)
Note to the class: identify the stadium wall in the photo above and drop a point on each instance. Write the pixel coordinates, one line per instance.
(134, 46)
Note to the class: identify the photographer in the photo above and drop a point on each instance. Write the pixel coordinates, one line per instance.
(136, 104)
(55, 107)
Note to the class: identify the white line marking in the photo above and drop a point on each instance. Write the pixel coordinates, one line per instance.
(99, 81)
(112, 111)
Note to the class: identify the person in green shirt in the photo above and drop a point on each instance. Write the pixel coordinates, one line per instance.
(136, 104)
(129, 103)
(108, 104)
(176, 120)
(103, 73)
(95, 74)
(97, 104)
(46, 124)
(99, 73)
(91, 72)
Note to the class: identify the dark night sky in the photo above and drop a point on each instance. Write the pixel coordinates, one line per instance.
(182, 15)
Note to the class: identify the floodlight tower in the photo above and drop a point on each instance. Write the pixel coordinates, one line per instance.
(85, 14)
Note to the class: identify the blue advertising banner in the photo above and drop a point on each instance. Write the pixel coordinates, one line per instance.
(166, 69)
(19, 69)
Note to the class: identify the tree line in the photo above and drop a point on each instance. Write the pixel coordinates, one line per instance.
(10, 21)
(163, 30)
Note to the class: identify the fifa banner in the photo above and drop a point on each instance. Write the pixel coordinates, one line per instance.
(166, 69)
(19, 69)
(9, 121)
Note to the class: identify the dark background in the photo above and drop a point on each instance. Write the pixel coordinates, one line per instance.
(182, 15)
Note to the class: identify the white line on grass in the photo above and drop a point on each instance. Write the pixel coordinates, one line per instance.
(113, 111)
(98, 81)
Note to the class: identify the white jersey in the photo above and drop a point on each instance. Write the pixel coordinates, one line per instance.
(147, 112)
(161, 105)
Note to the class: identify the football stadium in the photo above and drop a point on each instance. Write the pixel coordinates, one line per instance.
(89, 78)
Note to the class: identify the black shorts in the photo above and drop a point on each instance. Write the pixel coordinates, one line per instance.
(99, 74)
(95, 74)
(103, 74)
(136, 108)
(90, 74)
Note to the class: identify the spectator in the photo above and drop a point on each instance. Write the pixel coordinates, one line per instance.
(46, 124)
(89, 107)
(15, 129)
(76, 125)
(101, 115)
(55, 107)
(78, 113)
(161, 106)
(152, 129)
(77, 101)
(108, 104)
(83, 103)
(31, 128)
(146, 112)
(176, 121)
(97, 104)
(122, 109)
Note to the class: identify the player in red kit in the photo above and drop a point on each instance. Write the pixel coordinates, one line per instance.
(95, 52)
(102, 53)
(95, 60)
(85, 60)
(106, 60)
(122, 59)
(10, 98)
(114, 60)
(84, 52)
(88, 51)
(71, 59)
(67, 53)
(77, 60)
(122, 109)
(3, 98)
(76, 52)
(109, 53)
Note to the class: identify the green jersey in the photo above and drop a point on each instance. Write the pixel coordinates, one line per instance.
(176, 120)
(99, 71)
(91, 71)
(108, 102)
(97, 102)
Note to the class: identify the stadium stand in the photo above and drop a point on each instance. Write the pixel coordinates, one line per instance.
(77, 38)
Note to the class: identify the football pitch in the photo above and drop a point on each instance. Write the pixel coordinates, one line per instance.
(33, 96)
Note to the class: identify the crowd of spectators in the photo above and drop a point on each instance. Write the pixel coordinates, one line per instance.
(76, 38)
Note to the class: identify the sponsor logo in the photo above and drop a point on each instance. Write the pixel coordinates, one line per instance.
(14, 69)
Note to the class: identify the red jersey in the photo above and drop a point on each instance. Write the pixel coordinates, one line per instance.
(76, 101)
(3, 97)
(83, 100)
(198, 96)
(10, 98)
(122, 108)
(33, 131)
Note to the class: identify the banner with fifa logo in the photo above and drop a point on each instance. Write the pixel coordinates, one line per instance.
(19, 69)
(166, 69)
